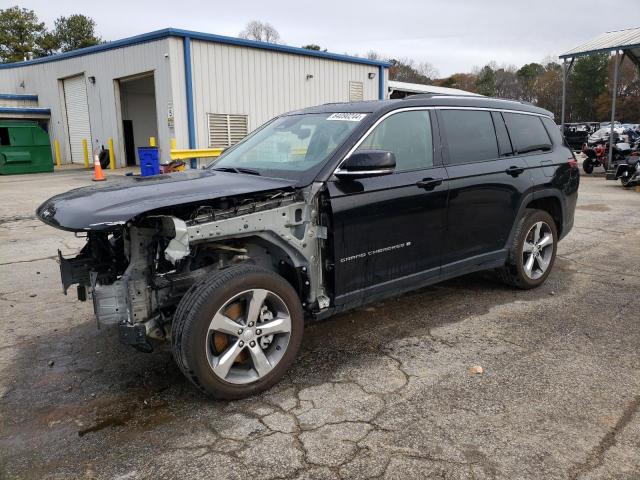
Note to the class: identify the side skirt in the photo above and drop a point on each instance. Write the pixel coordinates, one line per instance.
(402, 285)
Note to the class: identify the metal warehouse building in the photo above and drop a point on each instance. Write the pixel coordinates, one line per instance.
(203, 90)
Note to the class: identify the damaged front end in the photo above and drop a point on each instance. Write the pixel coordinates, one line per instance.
(137, 273)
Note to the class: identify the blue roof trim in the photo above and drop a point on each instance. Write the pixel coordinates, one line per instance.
(18, 96)
(22, 110)
(206, 37)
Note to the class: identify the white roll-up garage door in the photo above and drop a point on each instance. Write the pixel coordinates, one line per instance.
(78, 126)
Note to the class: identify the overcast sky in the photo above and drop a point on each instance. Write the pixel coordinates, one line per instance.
(453, 35)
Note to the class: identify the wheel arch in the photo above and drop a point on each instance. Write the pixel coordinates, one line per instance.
(271, 253)
(548, 200)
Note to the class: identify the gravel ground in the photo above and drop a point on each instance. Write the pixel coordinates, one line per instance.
(382, 392)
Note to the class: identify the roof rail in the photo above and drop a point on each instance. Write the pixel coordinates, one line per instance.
(433, 95)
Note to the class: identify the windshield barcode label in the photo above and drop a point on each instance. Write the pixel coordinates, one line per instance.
(348, 117)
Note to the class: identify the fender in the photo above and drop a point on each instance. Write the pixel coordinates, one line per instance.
(537, 195)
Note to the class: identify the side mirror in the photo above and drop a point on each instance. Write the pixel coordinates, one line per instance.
(367, 163)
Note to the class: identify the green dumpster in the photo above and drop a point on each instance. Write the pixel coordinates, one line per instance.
(24, 148)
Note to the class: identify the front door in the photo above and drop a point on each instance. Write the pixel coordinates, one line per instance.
(388, 230)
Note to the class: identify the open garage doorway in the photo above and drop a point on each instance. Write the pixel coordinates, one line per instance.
(139, 116)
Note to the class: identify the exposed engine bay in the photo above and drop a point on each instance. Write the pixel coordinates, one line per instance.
(137, 273)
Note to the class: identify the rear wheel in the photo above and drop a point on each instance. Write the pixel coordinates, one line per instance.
(532, 252)
(625, 180)
(587, 166)
(236, 333)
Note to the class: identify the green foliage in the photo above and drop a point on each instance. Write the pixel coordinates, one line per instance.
(587, 80)
(75, 31)
(528, 75)
(486, 82)
(313, 46)
(19, 33)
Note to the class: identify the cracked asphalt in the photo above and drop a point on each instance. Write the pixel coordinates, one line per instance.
(381, 392)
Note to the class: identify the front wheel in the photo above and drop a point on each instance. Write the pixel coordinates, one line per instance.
(625, 180)
(532, 252)
(236, 333)
(587, 166)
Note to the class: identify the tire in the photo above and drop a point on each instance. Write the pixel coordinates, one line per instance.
(587, 166)
(625, 181)
(200, 350)
(515, 273)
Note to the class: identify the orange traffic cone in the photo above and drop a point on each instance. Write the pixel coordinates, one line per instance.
(98, 176)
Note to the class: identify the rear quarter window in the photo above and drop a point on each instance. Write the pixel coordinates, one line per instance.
(527, 133)
(470, 136)
(554, 132)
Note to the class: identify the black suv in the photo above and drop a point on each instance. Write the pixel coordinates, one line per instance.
(316, 212)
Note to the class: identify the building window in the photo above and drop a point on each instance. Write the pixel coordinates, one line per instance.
(356, 92)
(226, 130)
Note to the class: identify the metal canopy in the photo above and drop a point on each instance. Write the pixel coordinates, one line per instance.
(619, 40)
(625, 41)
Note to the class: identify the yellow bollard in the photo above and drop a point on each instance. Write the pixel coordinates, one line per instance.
(112, 157)
(173, 144)
(85, 150)
(152, 141)
(56, 149)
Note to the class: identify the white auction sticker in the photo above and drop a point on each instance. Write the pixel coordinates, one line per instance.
(347, 117)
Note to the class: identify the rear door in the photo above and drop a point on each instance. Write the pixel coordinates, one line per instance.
(532, 146)
(388, 230)
(482, 204)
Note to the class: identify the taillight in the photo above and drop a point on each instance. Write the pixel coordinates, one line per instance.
(573, 163)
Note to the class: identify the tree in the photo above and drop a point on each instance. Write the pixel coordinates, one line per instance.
(47, 44)
(406, 70)
(75, 31)
(19, 32)
(462, 81)
(506, 83)
(486, 81)
(588, 79)
(260, 31)
(528, 75)
(628, 96)
(548, 89)
(313, 46)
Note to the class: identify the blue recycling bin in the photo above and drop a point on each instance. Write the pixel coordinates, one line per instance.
(149, 161)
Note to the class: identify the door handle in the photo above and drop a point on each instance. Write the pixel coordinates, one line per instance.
(429, 183)
(514, 171)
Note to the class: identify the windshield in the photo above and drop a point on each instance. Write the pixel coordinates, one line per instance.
(290, 145)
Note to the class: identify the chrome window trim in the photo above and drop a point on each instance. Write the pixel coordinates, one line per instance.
(411, 109)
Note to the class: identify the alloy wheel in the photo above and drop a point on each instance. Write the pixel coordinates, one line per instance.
(248, 336)
(537, 250)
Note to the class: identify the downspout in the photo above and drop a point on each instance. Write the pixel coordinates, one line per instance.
(381, 92)
(189, 89)
(564, 95)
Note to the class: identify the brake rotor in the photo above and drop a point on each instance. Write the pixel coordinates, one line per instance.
(221, 340)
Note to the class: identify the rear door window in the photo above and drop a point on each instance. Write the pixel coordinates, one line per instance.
(470, 136)
(527, 133)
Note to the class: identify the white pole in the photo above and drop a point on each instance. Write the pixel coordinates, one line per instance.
(613, 107)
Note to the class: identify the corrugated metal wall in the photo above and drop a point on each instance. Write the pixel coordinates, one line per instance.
(227, 79)
(263, 84)
(45, 80)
